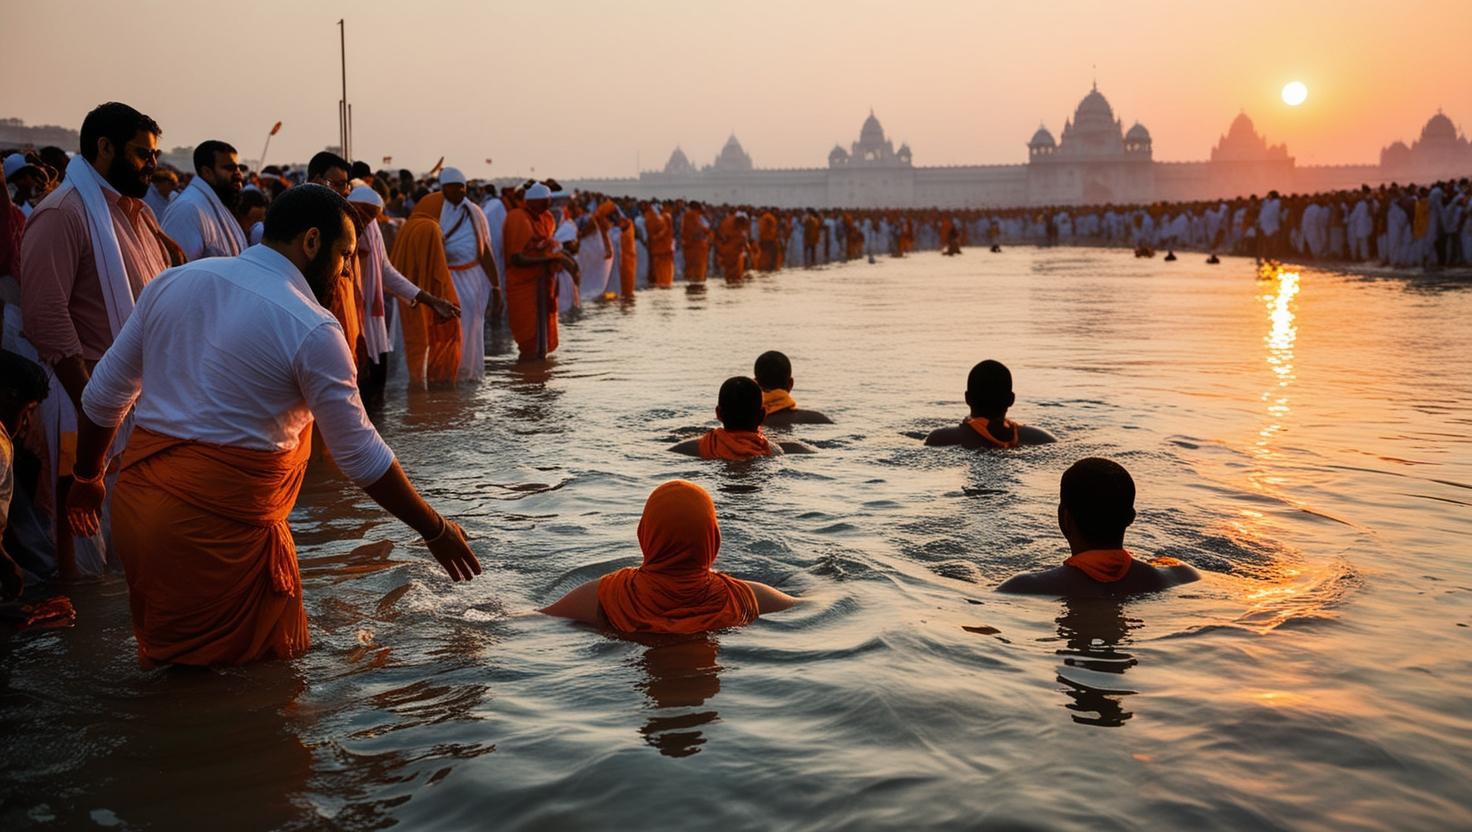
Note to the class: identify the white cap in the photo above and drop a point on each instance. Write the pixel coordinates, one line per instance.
(14, 162)
(538, 191)
(365, 195)
(451, 176)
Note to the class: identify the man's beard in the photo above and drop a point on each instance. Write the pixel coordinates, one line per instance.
(323, 280)
(127, 180)
(227, 193)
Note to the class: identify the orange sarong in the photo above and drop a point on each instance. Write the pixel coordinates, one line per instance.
(695, 240)
(675, 590)
(531, 291)
(431, 346)
(731, 248)
(659, 230)
(775, 401)
(766, 235)
(980, 426)
(1103, 565)
(734, 444)
(210, 562)
(628, 260)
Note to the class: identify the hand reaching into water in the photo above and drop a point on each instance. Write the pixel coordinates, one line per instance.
(84, 505)
(453, 552)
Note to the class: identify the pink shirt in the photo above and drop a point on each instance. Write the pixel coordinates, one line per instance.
(61, 297)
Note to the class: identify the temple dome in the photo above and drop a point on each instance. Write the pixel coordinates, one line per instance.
(732, 156)
(1094, 108)
(872, 132)
(1138, 134)
(1042, 138)
(678, 163)
(1439, 128)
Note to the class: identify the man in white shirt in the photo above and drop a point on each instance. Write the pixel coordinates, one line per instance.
(227, 363)
(473, 269)
(201, 218)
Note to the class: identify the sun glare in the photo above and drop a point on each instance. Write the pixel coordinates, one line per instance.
(1294, 93)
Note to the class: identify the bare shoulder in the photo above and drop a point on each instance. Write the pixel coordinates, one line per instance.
(1174, 573)
(1029, 435)
(941, 437)
(796, 448)
(690, 447)
(580, 604)
(1048, 582)
(771, 599)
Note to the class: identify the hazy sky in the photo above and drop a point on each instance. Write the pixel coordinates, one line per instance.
(592, 88)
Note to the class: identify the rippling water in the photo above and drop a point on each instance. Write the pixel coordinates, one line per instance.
(1305, 441)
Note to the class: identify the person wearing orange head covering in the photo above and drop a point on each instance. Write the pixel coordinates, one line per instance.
(695, 239)
(740, 437)
(989, 395)
(533, 261)
(659, 230)
(628, 257)
(1096, 503)
(674, 590)
(731, 245)
(431, 343)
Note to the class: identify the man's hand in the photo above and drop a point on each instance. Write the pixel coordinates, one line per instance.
(453, 553)
(84, 506)
(442, 308)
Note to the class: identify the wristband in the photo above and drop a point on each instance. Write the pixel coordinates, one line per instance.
(444, 529)
(101, 472)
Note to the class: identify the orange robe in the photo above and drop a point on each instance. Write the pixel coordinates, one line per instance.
(628, 260)
(854, 236)
(211, 566)
(531, 291)
(659, 230)
(1103, 565)
(1006, 440)
(675, 590)
(347, 308)
(431, 346)
(766, 235)
(734, 444)
(731, 248)
(695, 239)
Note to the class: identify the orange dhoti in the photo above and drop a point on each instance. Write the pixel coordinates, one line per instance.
(531, 308)
(662, 268)
(210, 562)
(431, 346)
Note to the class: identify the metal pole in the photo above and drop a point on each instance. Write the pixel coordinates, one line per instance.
(342, 32)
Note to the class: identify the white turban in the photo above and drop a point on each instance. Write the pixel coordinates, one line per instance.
(451, 176)
(366, 195)
(539, 191)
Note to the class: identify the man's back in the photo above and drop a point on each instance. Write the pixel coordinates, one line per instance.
(1073, 583)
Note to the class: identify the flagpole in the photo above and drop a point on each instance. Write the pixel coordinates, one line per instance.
(343, 113)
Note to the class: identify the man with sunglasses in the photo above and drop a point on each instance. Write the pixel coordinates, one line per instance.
(90, 247)
(202, 220)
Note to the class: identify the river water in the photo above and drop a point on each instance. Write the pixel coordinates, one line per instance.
(1304, 440)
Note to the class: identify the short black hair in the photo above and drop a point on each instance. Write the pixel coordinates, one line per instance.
(54, 156)
(772, 370)
(305, 207)
(252, 198)
(116, 122)
(204, 154)
(1100, 495)
(22, 381)
(741, 403)
(990, 385)
(360, 170)
(325, 161)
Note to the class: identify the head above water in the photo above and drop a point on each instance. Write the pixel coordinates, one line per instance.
(773, 370)
(739, 406)
(1096, 503)
(989, 389)
(678, 532)
(316, 229)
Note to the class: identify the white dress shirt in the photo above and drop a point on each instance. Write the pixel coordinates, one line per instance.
(237, 351)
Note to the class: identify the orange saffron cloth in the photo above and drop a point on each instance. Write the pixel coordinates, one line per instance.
(979, 425)
(530, 236)
(431, 346)
(659, 229)
(731, 248)
(675, 590)
(209, 559)
(1103, 565)
(766, 234)
(775, 401)
(734, 444)
(695, 240)
(628, 259)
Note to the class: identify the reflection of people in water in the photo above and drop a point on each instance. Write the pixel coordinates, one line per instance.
(1096, 503)
(680, 675)
(740, 436)
(989, 395)
(674, 590)
(1092, 630)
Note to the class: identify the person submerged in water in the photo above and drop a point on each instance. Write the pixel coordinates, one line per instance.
(674, 590)
(1096, 503)
(739, 407)
(774, 375)
(989, 394)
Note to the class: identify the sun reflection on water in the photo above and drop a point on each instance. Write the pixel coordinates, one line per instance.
(1280, 339)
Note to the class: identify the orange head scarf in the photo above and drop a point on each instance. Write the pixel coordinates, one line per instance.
(775, 401)
(1008, 440)
(734, 444)
(675, 591)
(1103, 565)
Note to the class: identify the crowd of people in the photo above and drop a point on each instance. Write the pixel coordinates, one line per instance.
(173, 341)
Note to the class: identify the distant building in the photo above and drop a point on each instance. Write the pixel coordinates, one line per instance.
(1093, 160)
(14, 133)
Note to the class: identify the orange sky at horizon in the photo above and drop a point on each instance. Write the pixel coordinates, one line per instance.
(962, 82)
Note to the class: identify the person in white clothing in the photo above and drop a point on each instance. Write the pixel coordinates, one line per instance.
(201, 219)
(473, 269)
(228, 363)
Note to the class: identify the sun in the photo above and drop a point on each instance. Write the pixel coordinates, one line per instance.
(1294, 93)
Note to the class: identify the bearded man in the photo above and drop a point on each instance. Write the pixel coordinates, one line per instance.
(202, 219)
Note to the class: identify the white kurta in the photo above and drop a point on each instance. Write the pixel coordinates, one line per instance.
(201, 224)
(466, 236)
(594, 265)
(567, 291)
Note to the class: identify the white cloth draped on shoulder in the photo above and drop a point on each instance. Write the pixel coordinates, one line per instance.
(201, 224)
